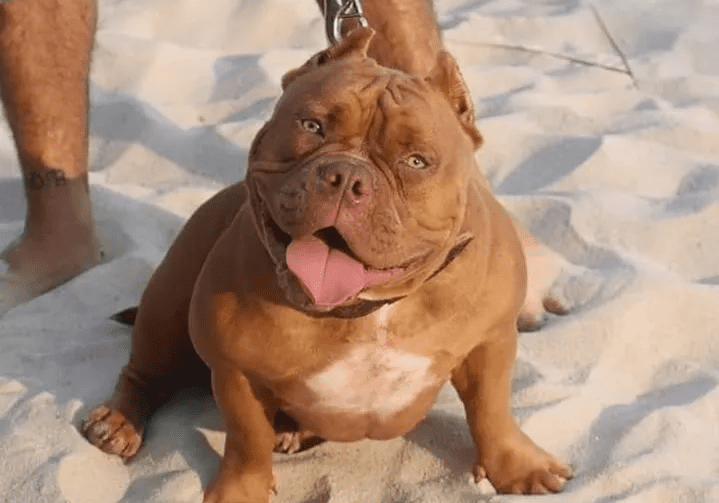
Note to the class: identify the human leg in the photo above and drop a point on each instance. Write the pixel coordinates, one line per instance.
(45, 50)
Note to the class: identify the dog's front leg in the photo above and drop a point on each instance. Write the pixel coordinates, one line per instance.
(505, 455)
(245, 474)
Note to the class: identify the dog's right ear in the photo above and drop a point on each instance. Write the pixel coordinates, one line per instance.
(353, 46)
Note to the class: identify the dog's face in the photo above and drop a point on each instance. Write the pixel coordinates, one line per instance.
(359, 180)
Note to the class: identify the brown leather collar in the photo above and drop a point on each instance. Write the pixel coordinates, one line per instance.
(362, 307)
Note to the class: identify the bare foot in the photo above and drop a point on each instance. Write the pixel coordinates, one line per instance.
(33, 268)
(59, 243)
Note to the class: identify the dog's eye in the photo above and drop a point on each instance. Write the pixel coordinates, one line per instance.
(416, 162)
(311, 126)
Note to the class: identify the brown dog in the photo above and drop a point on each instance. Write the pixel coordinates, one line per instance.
(362, 264)
(407, 38)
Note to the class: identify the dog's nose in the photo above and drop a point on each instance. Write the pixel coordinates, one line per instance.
(353, 180)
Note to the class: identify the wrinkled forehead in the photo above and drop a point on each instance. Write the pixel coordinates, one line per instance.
(342, 91)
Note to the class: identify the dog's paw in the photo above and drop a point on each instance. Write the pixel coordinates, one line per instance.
(290, 442)
(289, 438)
(241, 487)
(110, 431)
(554, 285)
(520, 467)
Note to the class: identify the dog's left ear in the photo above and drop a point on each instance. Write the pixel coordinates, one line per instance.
(446, 77)
(353, 46)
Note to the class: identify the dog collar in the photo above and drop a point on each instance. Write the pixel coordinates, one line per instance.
(363, 307)
(357, 309)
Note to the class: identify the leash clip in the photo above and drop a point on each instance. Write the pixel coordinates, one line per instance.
(339, 12)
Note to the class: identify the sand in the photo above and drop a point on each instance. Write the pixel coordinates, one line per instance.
(601, 122)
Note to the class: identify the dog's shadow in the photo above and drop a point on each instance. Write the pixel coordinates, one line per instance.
(190, 426)
(446, 436)
(185, 438)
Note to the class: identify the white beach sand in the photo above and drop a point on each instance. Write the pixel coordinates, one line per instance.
(601, 122)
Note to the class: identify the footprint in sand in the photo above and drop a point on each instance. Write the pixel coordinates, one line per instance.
(92, 477)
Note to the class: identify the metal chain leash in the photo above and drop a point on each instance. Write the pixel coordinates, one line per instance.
(339, 12)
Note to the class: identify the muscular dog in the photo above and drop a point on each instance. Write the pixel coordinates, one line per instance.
(362, 264)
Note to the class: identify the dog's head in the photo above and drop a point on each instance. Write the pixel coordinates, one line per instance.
(359, 180)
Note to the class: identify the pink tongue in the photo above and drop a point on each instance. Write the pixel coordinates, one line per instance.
(330, 275)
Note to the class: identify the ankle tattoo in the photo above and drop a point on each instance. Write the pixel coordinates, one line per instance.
(39, 180)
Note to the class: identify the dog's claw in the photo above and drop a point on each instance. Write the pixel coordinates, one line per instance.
(111, 432)
(288, 442)
(479, 474)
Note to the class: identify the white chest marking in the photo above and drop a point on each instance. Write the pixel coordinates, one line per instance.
(373, 378)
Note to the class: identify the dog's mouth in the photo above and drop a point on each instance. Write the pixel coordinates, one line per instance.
(334, 240)
(323, 262)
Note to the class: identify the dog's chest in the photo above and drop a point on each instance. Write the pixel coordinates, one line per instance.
(373, 377)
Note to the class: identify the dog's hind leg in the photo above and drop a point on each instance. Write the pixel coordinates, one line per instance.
(162, 358)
